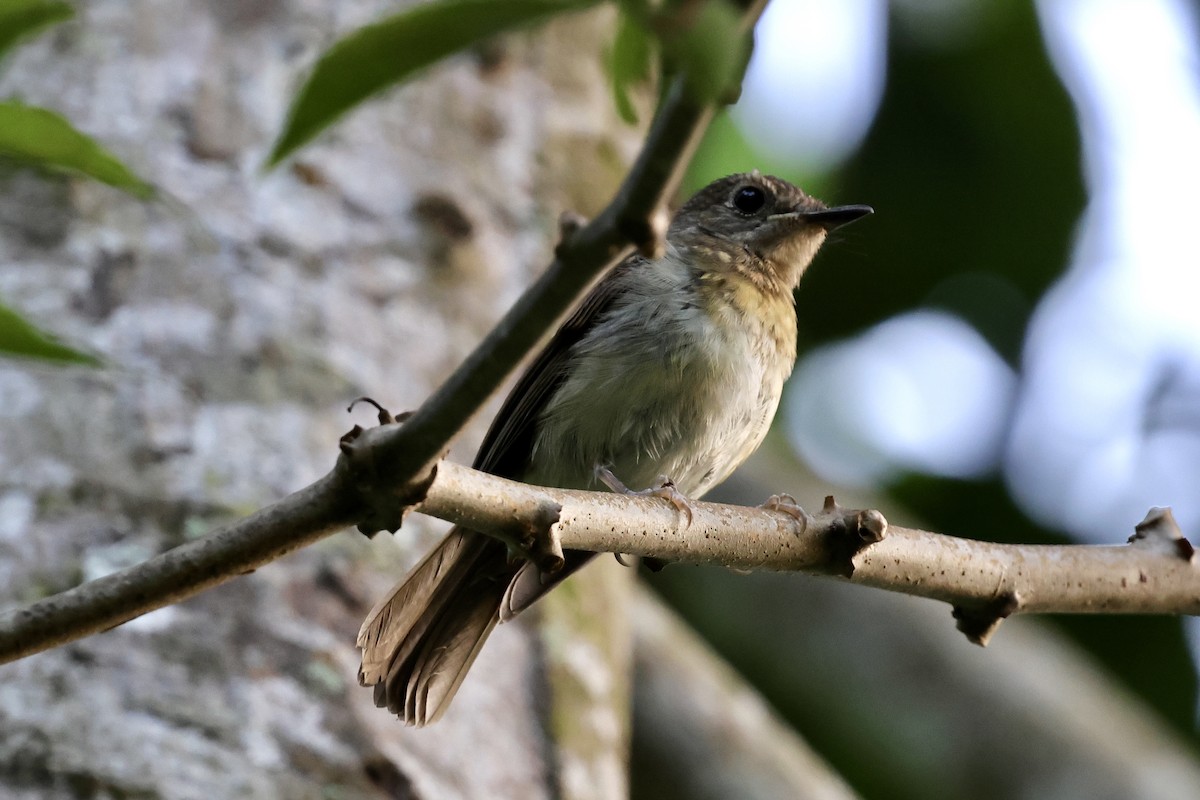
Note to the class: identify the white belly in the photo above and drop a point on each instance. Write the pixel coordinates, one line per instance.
(688, 401)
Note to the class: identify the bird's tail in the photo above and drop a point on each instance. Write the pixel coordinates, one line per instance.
(419, 641)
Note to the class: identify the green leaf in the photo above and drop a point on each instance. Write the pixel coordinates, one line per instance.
(40, 137)
(629, 64)
(20, 18)
(712, 50)
(378, 56)
(19, 337)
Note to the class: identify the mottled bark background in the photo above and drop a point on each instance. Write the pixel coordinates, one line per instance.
(237, 316)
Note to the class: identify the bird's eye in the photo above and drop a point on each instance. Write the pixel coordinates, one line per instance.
(749, 199)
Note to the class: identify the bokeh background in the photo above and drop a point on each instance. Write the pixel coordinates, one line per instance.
(1008, 350)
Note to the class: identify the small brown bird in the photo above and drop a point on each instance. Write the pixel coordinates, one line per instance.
(671, 367)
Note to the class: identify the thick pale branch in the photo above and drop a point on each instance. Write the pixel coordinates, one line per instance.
(988, 580)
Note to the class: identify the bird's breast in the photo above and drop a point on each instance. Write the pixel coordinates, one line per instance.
(669, 382)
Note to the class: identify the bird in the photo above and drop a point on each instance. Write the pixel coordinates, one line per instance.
(671, 366)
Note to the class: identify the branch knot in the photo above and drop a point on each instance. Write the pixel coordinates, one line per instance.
(385, 505)
(851, 532)
(1160, 531)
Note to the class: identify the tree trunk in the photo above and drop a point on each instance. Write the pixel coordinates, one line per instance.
(237, 316)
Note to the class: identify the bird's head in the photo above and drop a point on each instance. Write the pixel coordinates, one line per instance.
(757, 226)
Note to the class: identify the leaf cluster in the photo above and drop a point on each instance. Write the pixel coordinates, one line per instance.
(40, 138)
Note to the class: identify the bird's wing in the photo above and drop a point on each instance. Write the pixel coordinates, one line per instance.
(508, 446)
(419, 641)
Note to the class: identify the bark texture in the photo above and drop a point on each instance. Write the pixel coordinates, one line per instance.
(238, 315)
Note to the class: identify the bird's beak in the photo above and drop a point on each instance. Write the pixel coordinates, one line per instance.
(836, 217)
(792, 224)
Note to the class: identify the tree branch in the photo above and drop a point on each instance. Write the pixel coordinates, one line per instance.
(986, 582)
(299, 519)
(630, 221)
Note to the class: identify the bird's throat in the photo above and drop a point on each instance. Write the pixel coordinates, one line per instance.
(765, 309)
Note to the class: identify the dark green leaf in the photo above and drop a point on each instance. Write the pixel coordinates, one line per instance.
(20, 18)
(36, 136)
(630, 63)
(378, 56)
(711, 50)
(19, 337)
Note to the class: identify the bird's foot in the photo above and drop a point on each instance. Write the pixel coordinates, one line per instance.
(666, 490)
(787, 504)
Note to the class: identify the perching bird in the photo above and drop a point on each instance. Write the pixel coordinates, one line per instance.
(672, 366)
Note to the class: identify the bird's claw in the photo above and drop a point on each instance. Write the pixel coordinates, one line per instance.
(787, 504)
(666, 490)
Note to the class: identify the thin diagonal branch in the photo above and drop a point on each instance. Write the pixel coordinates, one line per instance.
(298, 520)
(635, 219)
(627, 223)
(405, 455)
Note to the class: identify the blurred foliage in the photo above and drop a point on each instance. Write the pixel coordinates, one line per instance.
(376, 57)
(42, 138)
(629, 62)
(21, 18)
(758, 621)
(703, 40)
(973, 165)
(707, 45)
(20, 338)
(38, 137)
(726, 150)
